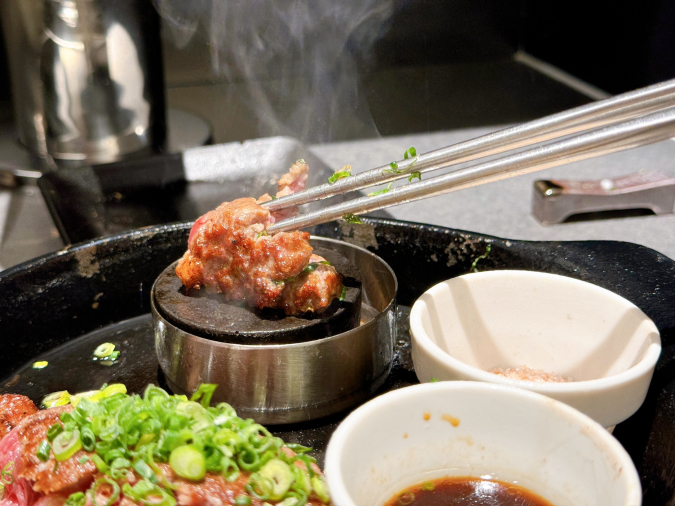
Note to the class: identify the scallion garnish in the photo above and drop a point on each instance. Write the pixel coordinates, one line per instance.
(410, 153)
(352, 219)
(7, 474)
(345, 172)
(382, 191)
(242, 500)
(417, 174)
(124, 433)
(393, 169)
(43, 451)
(76, 499)
(2, 493)
(40, 365)
(66, 444)
(260, 234)
(106, 353)
(343, 294)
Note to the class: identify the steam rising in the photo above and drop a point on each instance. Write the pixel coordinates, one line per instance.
(299, 60)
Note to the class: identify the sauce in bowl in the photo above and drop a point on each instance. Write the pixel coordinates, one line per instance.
(466, 491)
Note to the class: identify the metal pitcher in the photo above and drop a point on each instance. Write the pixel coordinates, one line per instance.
(86, 75)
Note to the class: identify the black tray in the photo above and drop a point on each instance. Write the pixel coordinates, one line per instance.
(61, 305)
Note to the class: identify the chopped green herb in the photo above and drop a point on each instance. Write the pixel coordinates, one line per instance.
(2, 491)
(260, 234)
(382, 191)
(274, 197)
(138, 432)
(352, 218)
(393, 169)
(7, 474)
(43, 451)
(104, 350)
(345, 172)
(310, 268)
(474, 265)
(433, 380)
(242, 500)
(412, 152)
(40, 365)
(428, 485)
(76, 499)
(417, 174)
(106, 353)
(343, 294)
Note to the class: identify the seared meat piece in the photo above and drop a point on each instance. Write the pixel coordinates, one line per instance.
(17, 491)
(13, 409)
(71, 476)
(230, 253)
(316, 289)
(291, 182)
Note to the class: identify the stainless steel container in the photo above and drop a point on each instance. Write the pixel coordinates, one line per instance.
(277, 384)
(86, 75)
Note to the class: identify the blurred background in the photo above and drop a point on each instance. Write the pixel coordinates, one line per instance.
(326, 71)
(140, 82)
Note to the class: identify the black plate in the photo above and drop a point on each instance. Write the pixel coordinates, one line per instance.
(61, 305)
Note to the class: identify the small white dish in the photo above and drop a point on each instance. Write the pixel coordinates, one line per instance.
(466, 326)
(460, 428)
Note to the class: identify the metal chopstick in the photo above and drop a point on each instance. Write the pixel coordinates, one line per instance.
(593, 115)
(628, 134)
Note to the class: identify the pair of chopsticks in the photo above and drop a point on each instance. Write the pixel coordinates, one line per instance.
(633, 119)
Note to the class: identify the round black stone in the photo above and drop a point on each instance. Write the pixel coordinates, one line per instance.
(212, 317)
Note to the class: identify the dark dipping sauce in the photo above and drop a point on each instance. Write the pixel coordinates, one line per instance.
(466, 491)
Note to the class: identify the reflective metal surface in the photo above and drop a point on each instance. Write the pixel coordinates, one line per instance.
(556, 200)
(86, 77)
(593, 115)
(278, 384)
(628, 134)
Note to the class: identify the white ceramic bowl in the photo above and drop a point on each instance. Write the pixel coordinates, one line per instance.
(477, 429)
(466, 326)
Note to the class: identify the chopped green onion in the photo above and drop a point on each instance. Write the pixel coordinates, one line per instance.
(343, 294)
(145, 471)
(98, 484)
(43, 451)
(242, 500)
(352, 219)
(187, 462)
(104, 350)
(406, 498)
(88, 439)
(205, 393)
(2, 492)
(54, 431)
(40, 365)
(7, 474)
(76, 499)
(393, 169)
(345, 172)
(382, 191)
(428, 485)
(66, 444)
(280, 475)
(474, 264)
(99, 463)
(124, 433)
(433, 380)
(417, 174)
(260, 234)
(320, 488)
(410, 153)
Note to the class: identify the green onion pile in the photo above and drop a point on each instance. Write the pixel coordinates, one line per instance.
(130, 432)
